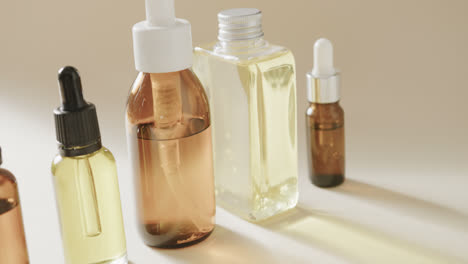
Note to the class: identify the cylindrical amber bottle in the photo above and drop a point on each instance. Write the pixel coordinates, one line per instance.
(325, 120)
(169, 136)
(169, 133)
(12, 240)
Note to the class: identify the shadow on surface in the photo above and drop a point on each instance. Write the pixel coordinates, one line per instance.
(223, 246)
(350, 241)
(404, 204)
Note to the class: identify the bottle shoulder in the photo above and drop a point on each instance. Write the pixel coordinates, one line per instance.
(332, 112)
(6, 175)
(103, 155)
(245, 57)
(107, 154)
(168, 101)
(8, 186)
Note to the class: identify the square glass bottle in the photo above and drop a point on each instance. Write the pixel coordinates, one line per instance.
(251, 86)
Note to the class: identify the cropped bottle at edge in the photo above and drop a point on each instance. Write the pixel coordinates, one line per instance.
(12, 239)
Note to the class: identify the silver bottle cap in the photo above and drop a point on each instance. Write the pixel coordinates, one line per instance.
(240, 24)
(323, 89)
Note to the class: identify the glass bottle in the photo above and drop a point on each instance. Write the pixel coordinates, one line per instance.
(325, 120)
(325, 133)
(252, 90)
(12, 239)
(86, 184)
(169, 134)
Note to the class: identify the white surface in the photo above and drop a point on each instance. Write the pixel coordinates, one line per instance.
(359, 222)
(162, 43)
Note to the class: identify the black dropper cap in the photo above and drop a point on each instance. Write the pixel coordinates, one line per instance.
(76, 120)
(1, 159)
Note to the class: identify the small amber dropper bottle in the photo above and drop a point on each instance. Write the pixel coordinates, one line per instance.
(12, 240)
(325, 119)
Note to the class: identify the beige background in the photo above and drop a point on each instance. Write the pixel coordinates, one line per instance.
(404, 66)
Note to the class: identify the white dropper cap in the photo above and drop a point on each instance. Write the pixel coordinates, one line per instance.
(323, 58)
(162, 43)
(323, 82)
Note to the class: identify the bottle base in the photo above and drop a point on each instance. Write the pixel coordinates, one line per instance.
(261, 208)
(168, 241)
(120, 260)
(264, 214)
(327, 180)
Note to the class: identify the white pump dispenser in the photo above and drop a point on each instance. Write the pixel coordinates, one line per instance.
(162, 43)
(323, 82)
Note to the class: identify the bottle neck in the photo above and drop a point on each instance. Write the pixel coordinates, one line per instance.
(240, 35)
(239, 31)
(79, 150)
(241, 45)
(323, 90)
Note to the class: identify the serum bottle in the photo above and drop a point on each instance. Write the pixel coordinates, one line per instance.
(169, 133)
(252, 89)
(86, 184)
(12, 240)
(325, 119)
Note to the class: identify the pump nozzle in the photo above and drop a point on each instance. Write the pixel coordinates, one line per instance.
(70, 89)
(323, 58)
(160, 12)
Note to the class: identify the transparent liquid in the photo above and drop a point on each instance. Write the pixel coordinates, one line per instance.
(88, 201)
(173, 179)
(326, 144)
(12, 241)
(169, 139)
(253, 104)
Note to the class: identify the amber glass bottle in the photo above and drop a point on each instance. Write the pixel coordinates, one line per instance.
(169, 136)
(325, 130)
(325, 119)
(12, 240)
(169, 133)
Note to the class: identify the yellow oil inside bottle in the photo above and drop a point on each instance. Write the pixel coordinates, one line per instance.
(88, 201)
(253, 106)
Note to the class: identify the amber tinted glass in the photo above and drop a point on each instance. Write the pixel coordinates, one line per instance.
(169, 134)
(326, 143)
(12, 240)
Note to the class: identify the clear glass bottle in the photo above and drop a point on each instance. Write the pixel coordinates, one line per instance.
(86, 183)
(252, 90)
(169, 134)
(325, 120)
(13, 248)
